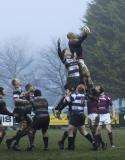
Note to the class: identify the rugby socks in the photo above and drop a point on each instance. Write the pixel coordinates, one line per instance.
(61, 104)
(97, 139)
(17, 137)
(64, 137)
(1, 139)
(14, 137)
(74, 136)
(89, 138)
(110, 138)
(100, 139)
(71, 143)
(93, 130)
(45, 140)
(31, 137)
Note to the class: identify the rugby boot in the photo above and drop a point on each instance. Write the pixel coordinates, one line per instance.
(61, 145)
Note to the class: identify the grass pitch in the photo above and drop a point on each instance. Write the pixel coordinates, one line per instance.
(83, 148)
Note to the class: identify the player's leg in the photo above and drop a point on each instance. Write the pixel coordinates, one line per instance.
(94, 121)
(108, 127)
(64, 137)
(97, 136)
(85, 74)
(71, 130)
(44, 127)
(22, 132)
(87, 135)
(31, 136)
(2, 133)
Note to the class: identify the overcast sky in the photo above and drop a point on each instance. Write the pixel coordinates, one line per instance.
(40, 20)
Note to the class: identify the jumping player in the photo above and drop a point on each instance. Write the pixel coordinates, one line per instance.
(75, 45)
(73, 78)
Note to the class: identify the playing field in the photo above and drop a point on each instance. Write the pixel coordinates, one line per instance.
(83, 148)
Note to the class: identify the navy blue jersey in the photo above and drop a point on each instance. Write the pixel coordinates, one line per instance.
(77, 102)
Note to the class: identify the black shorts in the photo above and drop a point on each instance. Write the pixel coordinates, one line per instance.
(72, 83)
(41, 122)
(77, 120)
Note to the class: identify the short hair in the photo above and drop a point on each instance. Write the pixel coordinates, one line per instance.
(37, 93)
(101, 89)
(29, 87)
(81, 88)
(14, 81)
(71, 35)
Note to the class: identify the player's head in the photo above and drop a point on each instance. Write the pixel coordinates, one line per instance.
(2, 91)
(100, 89)
(81, 88)
(72, 35)
(37, 93)
(29, 87)
(66, 52)
(16, 82)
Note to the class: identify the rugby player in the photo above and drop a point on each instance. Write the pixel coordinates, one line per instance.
(4, 111)
(104, 104)
(75, 45)
(93, 117)
(22, 108)
(77, 116)
(41, 118)
(72, 67)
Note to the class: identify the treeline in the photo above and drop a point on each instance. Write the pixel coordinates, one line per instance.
(105, 49)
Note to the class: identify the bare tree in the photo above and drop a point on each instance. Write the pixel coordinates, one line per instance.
(52, 71)
(14, 63)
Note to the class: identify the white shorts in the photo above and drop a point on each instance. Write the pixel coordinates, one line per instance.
(93, 117)
(104, 119)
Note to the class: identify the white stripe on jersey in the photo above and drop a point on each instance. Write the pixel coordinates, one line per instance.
(77, 108)
(74, 75)
(16, 96)
(71, 68)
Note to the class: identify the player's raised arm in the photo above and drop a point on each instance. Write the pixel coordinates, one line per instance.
(59, 50)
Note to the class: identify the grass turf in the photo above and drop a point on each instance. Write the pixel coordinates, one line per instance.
(83, 148)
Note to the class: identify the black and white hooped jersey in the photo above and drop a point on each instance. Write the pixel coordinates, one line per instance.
(18, 95)
(40, 106)
(72, 66)
(77, 103)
